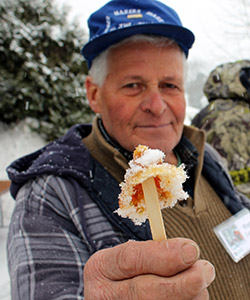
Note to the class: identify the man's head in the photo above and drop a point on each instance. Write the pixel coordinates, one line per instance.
(141, 100)
(137, 86)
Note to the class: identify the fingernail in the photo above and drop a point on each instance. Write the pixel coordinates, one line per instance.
(209, 272)
(190, 253)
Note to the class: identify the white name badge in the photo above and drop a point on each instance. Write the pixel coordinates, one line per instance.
(234, 234)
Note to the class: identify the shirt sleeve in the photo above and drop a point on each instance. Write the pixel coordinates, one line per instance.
(46, 248)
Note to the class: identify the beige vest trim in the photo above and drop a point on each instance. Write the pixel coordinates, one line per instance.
(110, 158)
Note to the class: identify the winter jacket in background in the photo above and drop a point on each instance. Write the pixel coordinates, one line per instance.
(226, 119)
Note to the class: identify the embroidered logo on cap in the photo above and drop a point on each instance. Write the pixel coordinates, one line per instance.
(135, 16)
(131, 11)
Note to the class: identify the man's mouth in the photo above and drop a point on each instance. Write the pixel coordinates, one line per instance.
(154, 125)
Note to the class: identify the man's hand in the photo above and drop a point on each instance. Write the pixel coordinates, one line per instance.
(148, 270)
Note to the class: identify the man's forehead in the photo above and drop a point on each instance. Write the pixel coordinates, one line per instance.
(146, 74)
(142, 46)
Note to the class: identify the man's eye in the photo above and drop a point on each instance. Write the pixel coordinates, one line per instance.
(133, 88)
(168, 86)
(132, 85)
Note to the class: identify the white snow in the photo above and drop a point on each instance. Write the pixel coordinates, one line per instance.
(149, 157)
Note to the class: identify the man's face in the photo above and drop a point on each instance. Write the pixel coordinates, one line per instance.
(142, 98)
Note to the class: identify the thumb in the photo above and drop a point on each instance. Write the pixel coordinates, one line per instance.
(164, 258)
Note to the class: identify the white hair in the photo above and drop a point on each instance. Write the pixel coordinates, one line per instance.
(99, 68)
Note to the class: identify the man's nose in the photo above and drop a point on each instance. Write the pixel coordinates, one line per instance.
(154, 102)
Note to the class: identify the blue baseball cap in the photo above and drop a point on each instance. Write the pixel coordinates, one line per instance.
(119, 19)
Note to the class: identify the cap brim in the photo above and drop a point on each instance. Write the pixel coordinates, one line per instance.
(181, 35)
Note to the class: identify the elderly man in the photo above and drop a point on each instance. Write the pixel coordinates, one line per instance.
(65, 241)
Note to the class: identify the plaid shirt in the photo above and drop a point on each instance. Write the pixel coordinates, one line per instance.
(48, 246)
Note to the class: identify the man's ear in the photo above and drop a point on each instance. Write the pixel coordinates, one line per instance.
(92, 90)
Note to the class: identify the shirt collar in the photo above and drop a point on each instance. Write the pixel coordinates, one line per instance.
(127, 154)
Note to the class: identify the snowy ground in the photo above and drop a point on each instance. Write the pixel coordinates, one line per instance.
(16, 142)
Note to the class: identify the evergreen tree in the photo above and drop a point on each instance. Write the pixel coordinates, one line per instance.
(41, 68)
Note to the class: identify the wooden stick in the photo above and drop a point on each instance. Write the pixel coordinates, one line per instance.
(153, 209)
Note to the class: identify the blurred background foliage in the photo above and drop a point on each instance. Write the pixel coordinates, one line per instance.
(41, 68)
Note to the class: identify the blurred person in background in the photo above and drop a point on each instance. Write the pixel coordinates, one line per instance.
(226, 119)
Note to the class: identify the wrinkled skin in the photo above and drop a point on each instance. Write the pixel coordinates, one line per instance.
(167, 270)
(142, 99)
